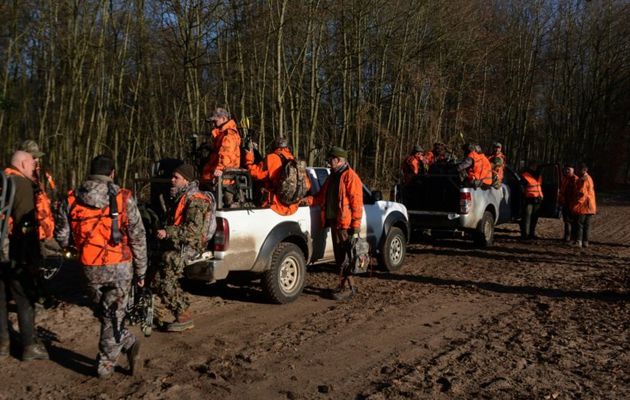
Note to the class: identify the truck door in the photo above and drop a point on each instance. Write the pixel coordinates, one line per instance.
(551, 189)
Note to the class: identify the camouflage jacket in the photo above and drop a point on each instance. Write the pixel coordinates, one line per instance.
(93, 193)
(189, 234)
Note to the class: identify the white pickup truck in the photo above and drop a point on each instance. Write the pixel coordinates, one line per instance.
(254, 239)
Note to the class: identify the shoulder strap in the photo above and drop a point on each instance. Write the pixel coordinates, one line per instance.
(283, 159)
(113, 213)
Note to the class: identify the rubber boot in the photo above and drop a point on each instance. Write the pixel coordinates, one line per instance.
(133, 358)
(182, 323)
(34, 352)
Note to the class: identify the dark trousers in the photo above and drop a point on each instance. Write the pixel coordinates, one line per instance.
(569, 220)
(19, 282)
(582, 227)
(341, 248)
(529, 219)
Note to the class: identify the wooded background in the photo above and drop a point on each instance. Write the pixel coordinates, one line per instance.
(550, 79)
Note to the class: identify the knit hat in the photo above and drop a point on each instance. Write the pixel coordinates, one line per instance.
(187, 171)
(417, 149)
(337, 152)
(30, 146)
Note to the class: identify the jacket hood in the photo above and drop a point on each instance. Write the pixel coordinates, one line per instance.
(93, 191)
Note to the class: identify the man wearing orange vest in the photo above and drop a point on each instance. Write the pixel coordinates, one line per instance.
(189, 229)
(341, 200)
(565, 197)
(226, 152)
(476, 166)
(268, 173)
(531, 179)
(19, 275)
(414, 164)
(583, 206)
(104, 223)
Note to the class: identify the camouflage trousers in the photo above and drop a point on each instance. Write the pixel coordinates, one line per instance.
(166, 285)
(111, 301)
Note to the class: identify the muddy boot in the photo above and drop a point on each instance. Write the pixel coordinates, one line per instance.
(105, 370)
(182, 323)
(34, 352)
(577, 243)
(345, 294)
(585, 244)
(5, 348)
(133, 358)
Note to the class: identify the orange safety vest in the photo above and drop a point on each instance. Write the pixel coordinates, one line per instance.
(533, 187)
(181, 206)
(481, 169)
(92, 228)
(43, 211)
(498, 170)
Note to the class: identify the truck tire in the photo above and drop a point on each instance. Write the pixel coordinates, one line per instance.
(284, 280)
(484, 234)
(393, 250)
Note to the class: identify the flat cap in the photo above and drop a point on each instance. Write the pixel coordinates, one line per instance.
(31, 146)
(337, 151)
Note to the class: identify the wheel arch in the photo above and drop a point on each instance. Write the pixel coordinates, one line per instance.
(287, 231)
(394, 219)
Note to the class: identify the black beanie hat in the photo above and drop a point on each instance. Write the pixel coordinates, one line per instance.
(187, 171)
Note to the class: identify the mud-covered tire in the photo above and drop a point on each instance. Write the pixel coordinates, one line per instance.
(484, 234)
(284, 280)
(393, 250)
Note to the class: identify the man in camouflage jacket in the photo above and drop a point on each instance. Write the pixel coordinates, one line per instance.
(187, 234)
(108, 284)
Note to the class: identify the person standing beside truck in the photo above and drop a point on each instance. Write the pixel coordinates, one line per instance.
(583, 206)
(190, 227)
(341, 201)
(531, 180)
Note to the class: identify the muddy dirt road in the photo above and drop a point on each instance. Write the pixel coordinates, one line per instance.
(539, 320)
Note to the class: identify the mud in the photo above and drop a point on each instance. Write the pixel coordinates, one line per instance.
(519, 320)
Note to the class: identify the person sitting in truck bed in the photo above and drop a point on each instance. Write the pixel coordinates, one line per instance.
(414, 164)
(476, 166)
(497, 159)
(268, 173)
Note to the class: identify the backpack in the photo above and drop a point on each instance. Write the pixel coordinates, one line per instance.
(291, 186)
(210, 221)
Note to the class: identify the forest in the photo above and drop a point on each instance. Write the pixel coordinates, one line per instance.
(550, 79)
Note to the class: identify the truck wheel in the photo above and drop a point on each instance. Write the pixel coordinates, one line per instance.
(393, 249)
(484, 234)
(284, 280)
